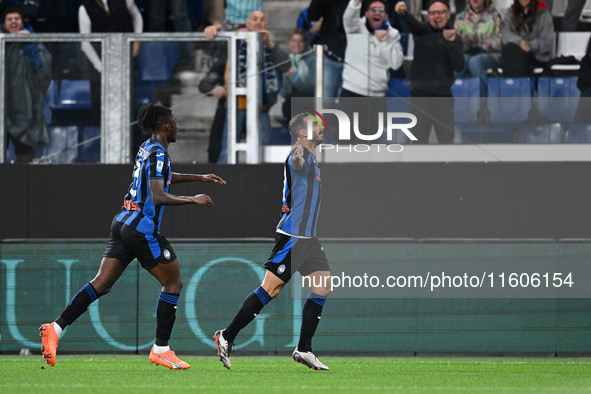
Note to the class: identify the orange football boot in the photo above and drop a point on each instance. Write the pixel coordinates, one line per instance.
(49, 341)
(168, 359)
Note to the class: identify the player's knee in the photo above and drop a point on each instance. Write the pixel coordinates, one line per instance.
(275, 292)
(322, 291)
(174, 287)
(101, 289)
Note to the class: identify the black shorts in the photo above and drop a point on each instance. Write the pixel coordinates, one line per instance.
(126, 244)
(292, 254)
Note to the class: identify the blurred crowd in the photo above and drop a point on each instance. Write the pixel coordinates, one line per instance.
(366, 43)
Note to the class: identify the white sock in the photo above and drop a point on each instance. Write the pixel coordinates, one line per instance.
(160, 349)
(58, 330)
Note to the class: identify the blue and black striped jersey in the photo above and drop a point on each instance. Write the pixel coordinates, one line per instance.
(301, 197)
(138, 211)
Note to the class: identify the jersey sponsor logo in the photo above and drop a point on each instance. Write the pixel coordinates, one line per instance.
(131, 206)
(166, 254)
(281, 269)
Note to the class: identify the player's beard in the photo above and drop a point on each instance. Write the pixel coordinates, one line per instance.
(318, 139)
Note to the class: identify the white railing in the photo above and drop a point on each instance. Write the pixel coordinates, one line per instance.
(116, 80)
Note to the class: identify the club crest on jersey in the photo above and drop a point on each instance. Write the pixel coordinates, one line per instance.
(166, 254)
(281, 269)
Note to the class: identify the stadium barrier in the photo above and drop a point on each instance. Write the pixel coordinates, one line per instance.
(38, 278)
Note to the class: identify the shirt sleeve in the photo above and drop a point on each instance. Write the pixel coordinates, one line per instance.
(351, 18)
(158, 164)
(85, 27)
(136, 17)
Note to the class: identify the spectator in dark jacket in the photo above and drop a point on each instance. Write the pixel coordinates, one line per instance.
(28, 73)
(332, 34)
(437, 54)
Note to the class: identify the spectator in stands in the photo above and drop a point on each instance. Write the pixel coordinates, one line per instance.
(300, 80)
(113, 16)
(527, 37)
(275, 62)
(479, 26)
(310, 27)
(214, 83)
(28, 73)
(237, 13)
(332, 34)
(157, 23)
(102, 16)
(583, 115)
(437, 54)
(46, 16)
(30, 9)
(373, 48)
(572, 14)
(395, 20)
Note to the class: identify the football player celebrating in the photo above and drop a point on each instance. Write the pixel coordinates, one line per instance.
(135, 233)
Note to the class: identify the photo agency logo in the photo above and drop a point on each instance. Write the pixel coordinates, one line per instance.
(352, 139)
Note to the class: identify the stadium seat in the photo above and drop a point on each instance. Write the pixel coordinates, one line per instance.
(486, 134)
(398, 87)
(508, 104)
(470, 115)
(466, 92)
(398, 94)
(571, 44)
(579, 133)
(157, 60)
(68, 102)
(69, 94)
(558, 98)
(540, 134)
(509, 99)
(466, 87)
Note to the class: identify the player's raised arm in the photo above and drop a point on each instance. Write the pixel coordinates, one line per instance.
(161, 197)
(208, 178)
(297, 157)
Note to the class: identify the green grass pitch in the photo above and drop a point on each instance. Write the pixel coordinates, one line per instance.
(260, 374)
